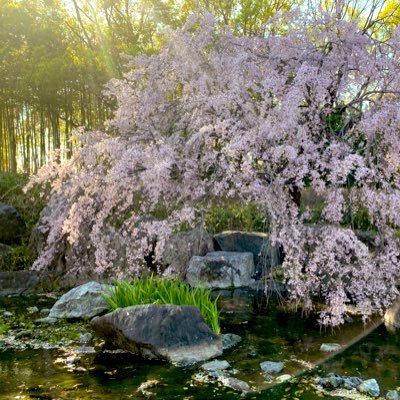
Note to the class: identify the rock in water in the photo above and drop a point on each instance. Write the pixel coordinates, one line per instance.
(369, 387)
(230, 340)
(272, 367)
(84, 301)
(177, 334)
(235, 384)
(330, 347)
(392, 395)
(221, 269)
(216, 365)
(11, 224)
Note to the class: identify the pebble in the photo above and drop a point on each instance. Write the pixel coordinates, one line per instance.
(252, 354)
(32, 310)
(330, 347)
(85, 337)
(272, 367)
(7, 314)
(392, 395)
(369, 387)
(283, 378)
(45, 311)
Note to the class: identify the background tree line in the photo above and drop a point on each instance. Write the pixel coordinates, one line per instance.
(56, 56)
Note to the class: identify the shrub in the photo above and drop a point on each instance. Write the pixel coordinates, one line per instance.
(164, 291)
(29, 206)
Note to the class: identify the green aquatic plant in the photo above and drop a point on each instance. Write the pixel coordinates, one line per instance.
(164, 291)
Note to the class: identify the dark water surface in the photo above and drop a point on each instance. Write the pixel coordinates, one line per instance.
(268, 334)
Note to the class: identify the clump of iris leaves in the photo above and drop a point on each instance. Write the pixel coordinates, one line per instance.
(151, 290)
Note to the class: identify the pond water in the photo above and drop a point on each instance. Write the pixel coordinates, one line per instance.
(268, 334)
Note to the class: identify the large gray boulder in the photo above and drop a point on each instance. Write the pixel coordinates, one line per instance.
(12, 225)
(265, 255)
(177, 334)
(221, 269)
(20, 282)
(181, 247)
(84, 301)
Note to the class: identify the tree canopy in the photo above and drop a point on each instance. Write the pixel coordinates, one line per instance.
(312, 107)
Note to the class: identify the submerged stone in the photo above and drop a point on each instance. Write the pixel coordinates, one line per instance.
(235, 384)
(230, 340)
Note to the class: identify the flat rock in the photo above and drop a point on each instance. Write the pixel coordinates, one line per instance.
(272, 367)
(84, 301)
(177, 334)
(215, 365)
(221, 269)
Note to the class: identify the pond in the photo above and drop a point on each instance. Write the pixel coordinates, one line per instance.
(268, 333)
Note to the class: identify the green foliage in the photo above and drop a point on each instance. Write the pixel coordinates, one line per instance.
(358, 218)
(234, 215)
(150, 290)
(29, 206)
(4, 328)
